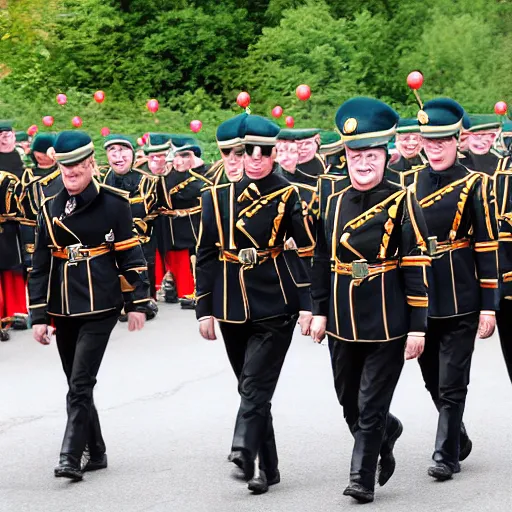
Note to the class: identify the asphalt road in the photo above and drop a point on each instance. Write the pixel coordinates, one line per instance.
(167, 400)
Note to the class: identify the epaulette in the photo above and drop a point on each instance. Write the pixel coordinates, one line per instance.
(50, 177)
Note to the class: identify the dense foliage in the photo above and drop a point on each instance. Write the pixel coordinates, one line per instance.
(195, 56)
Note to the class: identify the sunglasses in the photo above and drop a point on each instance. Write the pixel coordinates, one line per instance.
(239, 152)
(265, 150)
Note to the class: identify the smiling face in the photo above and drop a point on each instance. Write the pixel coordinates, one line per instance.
(77, 177)
(366, 167)
(233, 159)
(307, 148)
(409, 144)
(288, 155)
(258, 161)
(7, 141)
(480, 143)
(120, 158)
(441, 153)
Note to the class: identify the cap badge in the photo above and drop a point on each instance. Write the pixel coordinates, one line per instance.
(423, 117)
(350, 126)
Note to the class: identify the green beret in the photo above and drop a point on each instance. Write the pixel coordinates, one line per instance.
(366, 123)
(72, 147)
(179, 140)
(158, 143)
(5, 126)
(441, 117)
(259, 131)
(43, 142)
(466, 121)
(188, 147)
(330, 142)
(229, 132)
(122, 140)
(507, 127)
(482, 122)
(21, 136)
(297, 133)
(408, 125)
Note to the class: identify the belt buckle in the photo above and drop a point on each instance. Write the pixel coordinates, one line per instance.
(360, 269)
(74, 254)
(248, 257)
(431, 245)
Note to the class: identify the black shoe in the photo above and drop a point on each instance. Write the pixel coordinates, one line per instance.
(466, 445)
(188, 303)
(243, 461)
(67, 470)
(441, 472)
(123, 317)
(4, 335)
(151, 310)
(95, 464)
(387, 461)
(359, 493)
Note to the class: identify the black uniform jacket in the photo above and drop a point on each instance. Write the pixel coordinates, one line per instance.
(10, 248)
(12, 162)
(382, 296)
(179, 201)
(403, 171)
(459, 209)
(141, 192)
(334, 180)
(503, 193)
(490, 163)
(35, 186)
(263, 280)
(89, 261)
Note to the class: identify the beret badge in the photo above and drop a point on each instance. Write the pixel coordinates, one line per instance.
(422, 117)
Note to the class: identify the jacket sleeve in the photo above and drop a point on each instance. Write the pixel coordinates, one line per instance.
(321, 270)
(131, 262)
(413, 262)
(39, 276)
(485, 238)
(207, 263)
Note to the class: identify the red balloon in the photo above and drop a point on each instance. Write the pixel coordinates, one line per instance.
(303, 92)
(415, 80)
(76, 121)
(140, 142)
(32, 130)
(196, 125)
(48, 120)
(105, 131)
(277, 111)
(62, 99)
(153, 106)
(243, 99)
(99, 96)
(290, 122)
(500, 108)
(145, 138)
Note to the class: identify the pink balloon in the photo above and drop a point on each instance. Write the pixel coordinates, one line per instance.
(277, 111)
(153, 106)
(303, 92)
(196, 125)
(243, 99)
(62, 99)
(290, 122)
(48, 120)
(76, 121)
(105, 131)
(415, 80)
(32, 130)
(99, 96)
(140, 142)
(500, 108)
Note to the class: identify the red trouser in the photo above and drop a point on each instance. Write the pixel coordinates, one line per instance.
(178, 264)
(13, 297)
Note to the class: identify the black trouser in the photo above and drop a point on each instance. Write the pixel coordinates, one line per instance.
(504, 323)
(365, 378)
(256, 351)
(445, 365)
(149, 249)
(81, 343)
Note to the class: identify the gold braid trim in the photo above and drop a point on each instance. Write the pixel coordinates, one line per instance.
(417, 302)
(486, 246)
(489, 283)
(415, 261)
(126, 244)
(279, 217)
